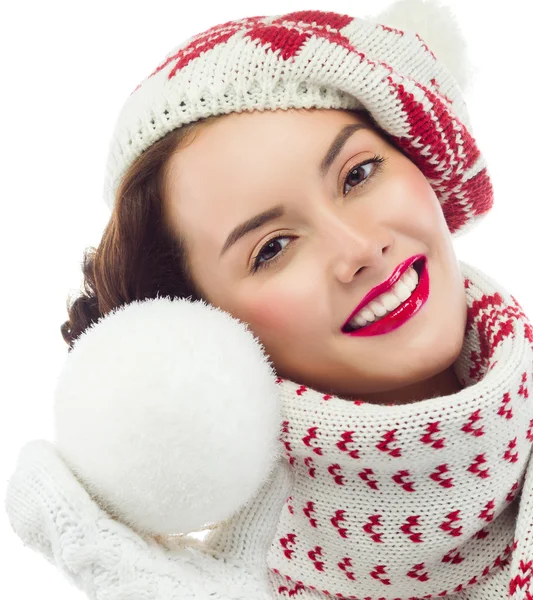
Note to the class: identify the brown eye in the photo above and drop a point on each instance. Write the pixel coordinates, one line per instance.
(360, 173)
(269, 252)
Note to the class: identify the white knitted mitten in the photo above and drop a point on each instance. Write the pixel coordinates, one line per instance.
(53, 514)
(167, 420)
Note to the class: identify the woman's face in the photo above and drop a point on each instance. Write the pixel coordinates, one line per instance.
(334, 234)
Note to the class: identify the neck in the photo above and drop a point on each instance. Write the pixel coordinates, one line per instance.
(418, 497)
(444, 383)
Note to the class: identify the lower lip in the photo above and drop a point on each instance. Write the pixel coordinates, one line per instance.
(399, 315)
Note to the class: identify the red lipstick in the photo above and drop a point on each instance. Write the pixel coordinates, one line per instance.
(404, 311)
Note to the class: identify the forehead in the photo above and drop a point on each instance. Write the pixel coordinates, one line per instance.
(243, 163)
(229, 138)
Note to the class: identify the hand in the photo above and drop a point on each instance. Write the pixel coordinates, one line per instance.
(52, 513)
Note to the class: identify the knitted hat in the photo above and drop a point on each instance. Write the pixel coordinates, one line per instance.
(316, 59)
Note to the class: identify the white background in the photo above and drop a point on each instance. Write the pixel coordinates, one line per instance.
(66, 69)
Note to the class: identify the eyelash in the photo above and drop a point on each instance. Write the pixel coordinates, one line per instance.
(377, 160)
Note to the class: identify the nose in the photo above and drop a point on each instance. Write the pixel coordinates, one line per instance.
(352, 247)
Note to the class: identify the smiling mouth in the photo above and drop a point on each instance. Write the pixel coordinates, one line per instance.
(389, 301)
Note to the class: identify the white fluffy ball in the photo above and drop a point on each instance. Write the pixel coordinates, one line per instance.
(168, 412)
(438, 26)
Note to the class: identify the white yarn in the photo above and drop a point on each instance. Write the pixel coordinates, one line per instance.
(416, 500)
(323, 60)
(168, 412)
(53, 514)
(439, 27)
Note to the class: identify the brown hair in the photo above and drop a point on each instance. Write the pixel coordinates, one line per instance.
(139, 257)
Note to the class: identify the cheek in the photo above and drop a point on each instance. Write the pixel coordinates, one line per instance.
(426, 203)
(411, 194)
(274, 312)
(270, 312)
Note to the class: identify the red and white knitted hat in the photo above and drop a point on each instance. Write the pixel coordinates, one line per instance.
(317, 59)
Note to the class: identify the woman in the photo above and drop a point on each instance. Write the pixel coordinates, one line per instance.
(304, 174)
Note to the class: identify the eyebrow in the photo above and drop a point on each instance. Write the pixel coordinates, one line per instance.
(278, 211)
(251, 224)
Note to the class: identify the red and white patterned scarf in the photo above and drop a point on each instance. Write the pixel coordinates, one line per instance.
(422, 500)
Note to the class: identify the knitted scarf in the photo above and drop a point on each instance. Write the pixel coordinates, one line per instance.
(420, 500)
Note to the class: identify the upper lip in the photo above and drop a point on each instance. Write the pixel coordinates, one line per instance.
(383, 287)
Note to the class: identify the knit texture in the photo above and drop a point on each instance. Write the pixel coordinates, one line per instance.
(315, 59)
(420, 500)
(432, 499)
(54, 515)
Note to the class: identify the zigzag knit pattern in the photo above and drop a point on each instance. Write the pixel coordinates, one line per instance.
(432, 499)
(421, 498)
(315, 59)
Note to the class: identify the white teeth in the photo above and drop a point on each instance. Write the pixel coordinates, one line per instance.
(387, 302)
(368, 314)
(401, 290)
(410, 277)
(361, 321)
(378, 308)
(390, 301)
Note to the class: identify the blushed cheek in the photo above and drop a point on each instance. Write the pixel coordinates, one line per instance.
(274, 314)
(425, 202)
(413, 204)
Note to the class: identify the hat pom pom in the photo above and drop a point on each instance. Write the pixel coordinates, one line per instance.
(439, 29)
(168, 413)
